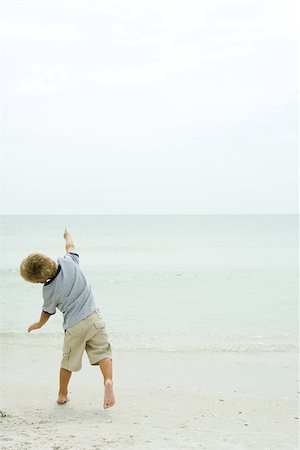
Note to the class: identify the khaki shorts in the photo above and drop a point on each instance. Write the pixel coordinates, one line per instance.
(90, 335)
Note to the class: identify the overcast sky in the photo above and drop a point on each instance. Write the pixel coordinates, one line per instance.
(149, 107)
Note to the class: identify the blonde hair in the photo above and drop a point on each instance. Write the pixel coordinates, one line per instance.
(38, 268)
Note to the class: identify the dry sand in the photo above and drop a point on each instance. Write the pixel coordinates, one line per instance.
(164, 401)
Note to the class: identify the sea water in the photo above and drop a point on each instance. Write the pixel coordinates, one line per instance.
(165, 283)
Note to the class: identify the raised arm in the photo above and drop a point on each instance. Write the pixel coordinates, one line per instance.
(69, 242)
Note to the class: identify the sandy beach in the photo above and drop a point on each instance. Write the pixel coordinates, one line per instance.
(165, 400)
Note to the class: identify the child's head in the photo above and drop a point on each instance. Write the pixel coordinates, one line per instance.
(38, 268)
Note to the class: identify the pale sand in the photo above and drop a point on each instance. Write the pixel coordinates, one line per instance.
(164, 401)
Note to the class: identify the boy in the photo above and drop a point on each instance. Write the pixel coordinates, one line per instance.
(66, 288)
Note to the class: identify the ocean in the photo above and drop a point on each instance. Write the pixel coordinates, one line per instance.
(221, 283)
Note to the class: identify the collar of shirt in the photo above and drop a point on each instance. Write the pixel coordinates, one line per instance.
(51, 279)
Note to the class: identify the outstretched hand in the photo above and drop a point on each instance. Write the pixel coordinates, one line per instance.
(66, 233)
(34, 326)
(69, 241)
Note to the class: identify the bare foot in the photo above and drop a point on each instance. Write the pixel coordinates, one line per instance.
(61, 399)
(109, 398)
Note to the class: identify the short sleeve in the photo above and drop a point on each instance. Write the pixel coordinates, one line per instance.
(72, 257)
(49, 306)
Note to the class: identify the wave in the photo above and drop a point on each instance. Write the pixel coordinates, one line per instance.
(157, 344)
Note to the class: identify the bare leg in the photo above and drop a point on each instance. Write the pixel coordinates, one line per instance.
(106, 369)
(64, 378)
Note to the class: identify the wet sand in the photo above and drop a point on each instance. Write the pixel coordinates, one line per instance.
(164, 400)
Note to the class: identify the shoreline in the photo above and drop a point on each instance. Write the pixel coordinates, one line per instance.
(157, 344)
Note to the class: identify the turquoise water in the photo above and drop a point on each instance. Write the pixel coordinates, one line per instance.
(201, 283)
